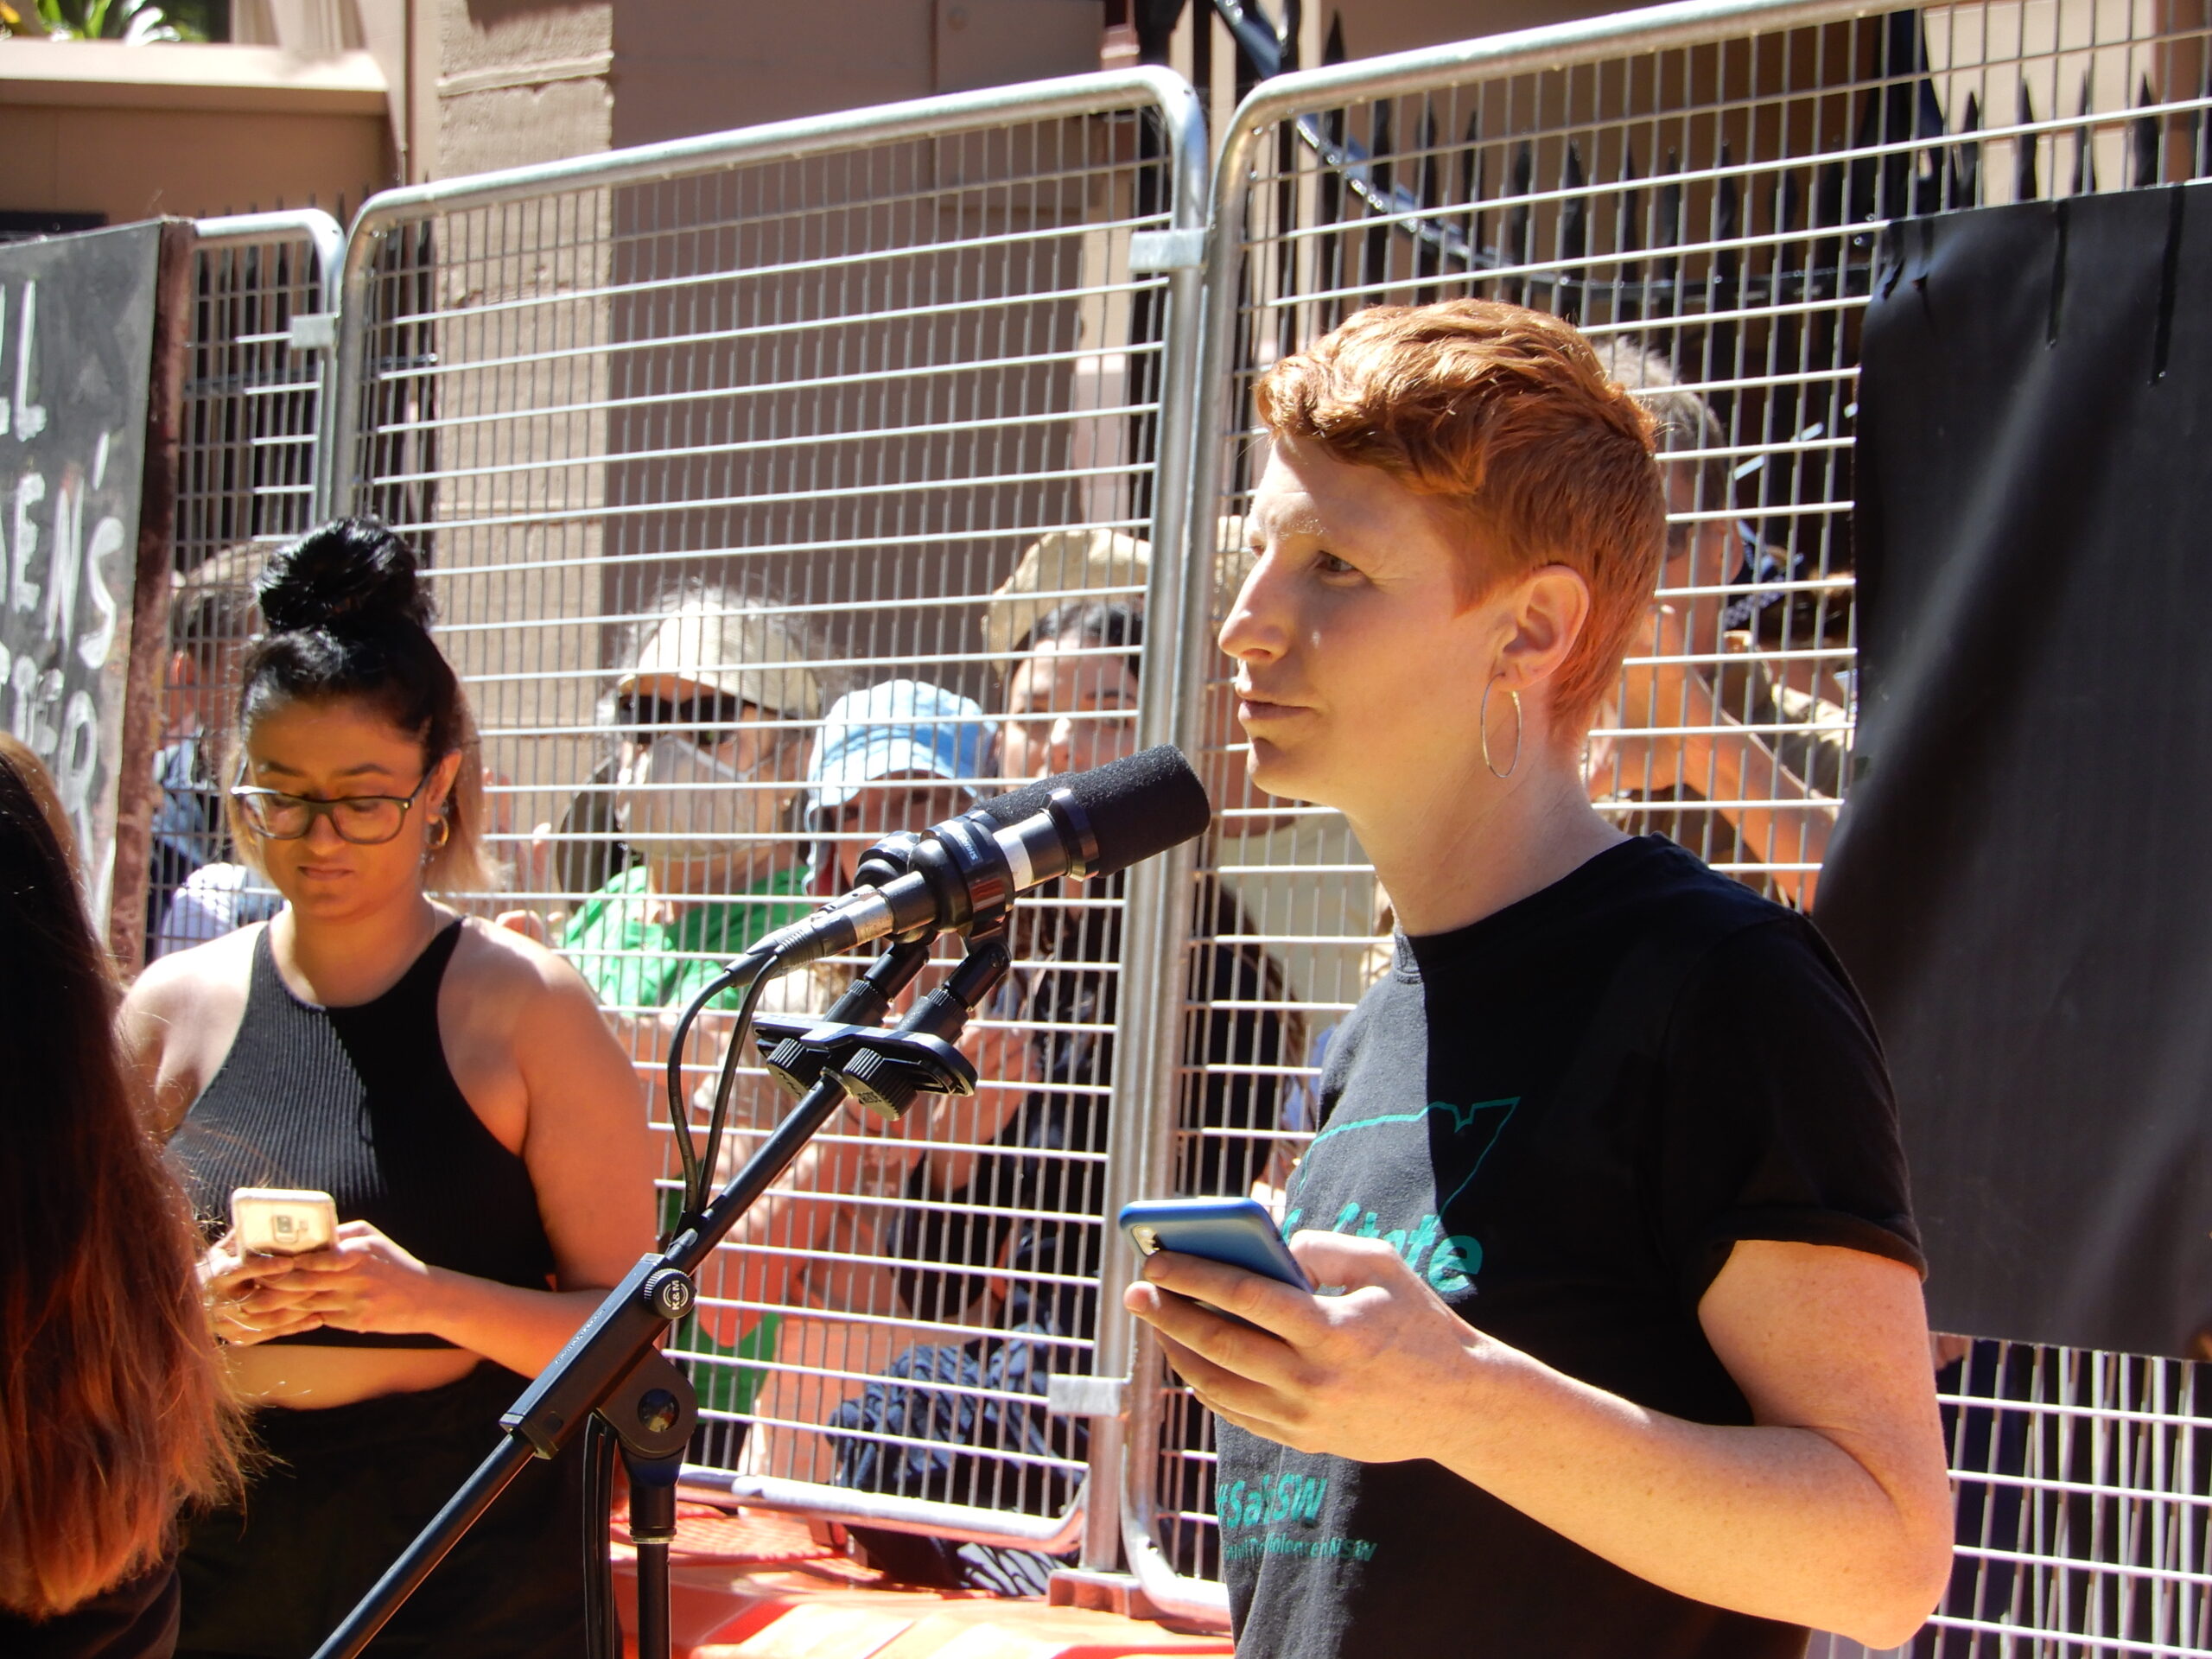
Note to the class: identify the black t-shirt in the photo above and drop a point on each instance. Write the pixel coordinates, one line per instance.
(1564, 1117)
(134, 1620)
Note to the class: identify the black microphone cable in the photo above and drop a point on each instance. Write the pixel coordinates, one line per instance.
(602, 1629)
(753, 970)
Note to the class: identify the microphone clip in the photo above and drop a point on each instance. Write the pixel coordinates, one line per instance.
(882, 1069)
(886, 1070)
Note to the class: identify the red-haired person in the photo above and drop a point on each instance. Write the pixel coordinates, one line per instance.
(1626, 1352)
(114, 1410)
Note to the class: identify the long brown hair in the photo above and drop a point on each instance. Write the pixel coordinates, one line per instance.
(114, 1410)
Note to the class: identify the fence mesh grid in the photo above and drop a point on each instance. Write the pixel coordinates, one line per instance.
(772, 508)
(1709, 214)
(246, 484)
(705, 459)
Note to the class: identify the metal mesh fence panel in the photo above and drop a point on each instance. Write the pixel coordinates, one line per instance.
(1701, 188)
(783, 489)
(2084, 1482)
(246, 482)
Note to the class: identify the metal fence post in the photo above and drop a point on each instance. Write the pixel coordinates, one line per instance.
(1157, 932)
(250, 465)
(1699, 187)
(831, 375)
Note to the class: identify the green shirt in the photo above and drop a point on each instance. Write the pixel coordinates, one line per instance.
(632, 964)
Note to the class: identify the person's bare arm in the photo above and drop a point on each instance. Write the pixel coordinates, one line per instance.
(1694, 738)
(1781, 821)
(1832, 1511)
(178, 1021)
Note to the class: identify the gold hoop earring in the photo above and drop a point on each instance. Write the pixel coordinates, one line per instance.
(1512, 766)
(443, 825)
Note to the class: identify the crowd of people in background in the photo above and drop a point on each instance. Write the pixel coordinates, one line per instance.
(316, 1015)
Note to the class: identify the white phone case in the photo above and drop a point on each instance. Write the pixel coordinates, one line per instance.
(282, 1221)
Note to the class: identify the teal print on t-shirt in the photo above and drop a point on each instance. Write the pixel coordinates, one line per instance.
(1276, 1501)
(1271, 1500)
(1456, 1258)
(1452, 1265)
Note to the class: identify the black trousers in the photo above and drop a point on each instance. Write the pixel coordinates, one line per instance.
(344, 1492)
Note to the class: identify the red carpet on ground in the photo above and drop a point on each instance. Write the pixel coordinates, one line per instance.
(758, 1584)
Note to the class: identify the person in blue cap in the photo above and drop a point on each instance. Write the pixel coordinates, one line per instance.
(900, 755)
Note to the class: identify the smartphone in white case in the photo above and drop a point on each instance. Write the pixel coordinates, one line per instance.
(282, 1220)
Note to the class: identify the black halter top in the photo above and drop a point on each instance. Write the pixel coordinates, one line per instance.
(359, 1102)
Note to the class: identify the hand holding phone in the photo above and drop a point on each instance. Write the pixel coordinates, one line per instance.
(1234, 1231)
(282, 1221)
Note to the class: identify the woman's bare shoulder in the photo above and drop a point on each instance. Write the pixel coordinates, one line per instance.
(512, 971)
(509, 994)
(194, 983)
(180, 1017)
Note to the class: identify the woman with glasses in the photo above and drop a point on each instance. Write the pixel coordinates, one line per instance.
(449, 1084)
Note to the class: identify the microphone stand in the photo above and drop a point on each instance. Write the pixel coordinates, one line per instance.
(613, 1368)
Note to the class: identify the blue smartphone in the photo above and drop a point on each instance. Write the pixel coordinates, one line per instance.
(1237, 1231)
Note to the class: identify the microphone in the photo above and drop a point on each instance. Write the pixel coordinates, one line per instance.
(1082, 823)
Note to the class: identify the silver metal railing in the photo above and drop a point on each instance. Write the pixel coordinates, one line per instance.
(263, 302)
(1699, 187)
(817, 392)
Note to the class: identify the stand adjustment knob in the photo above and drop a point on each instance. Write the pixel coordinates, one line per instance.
(788, 1063)
(878, 1083)
(672, 1294)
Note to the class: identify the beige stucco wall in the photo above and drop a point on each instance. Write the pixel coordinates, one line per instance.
(521, 81)
(133, 131)
(684, 66)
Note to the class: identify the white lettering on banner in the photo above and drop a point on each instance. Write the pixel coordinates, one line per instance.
(72, 375)
(43, 737)
(30, 417)
(30, 490)
(77, 762)
(34, 694)
(65, 560)
(107, 537)
(22, 681)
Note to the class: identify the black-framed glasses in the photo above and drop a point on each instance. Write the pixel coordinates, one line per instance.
(715, 710)
(365, 820)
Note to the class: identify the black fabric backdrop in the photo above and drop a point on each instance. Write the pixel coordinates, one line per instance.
(2021, 881)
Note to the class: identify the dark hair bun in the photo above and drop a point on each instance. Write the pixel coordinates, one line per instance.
(351, 576)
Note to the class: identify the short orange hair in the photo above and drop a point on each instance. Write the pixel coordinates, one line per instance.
(1507, 414)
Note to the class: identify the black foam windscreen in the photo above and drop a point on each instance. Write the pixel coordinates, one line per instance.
(1138, 806)
(1007, 809)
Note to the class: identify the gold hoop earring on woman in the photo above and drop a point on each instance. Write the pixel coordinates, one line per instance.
(442, 829)
(1514, 764)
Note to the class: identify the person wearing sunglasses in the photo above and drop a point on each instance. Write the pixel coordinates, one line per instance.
(448, 1084)
(714, 719)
